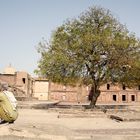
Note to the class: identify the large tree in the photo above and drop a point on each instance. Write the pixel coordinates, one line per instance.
(93, 49)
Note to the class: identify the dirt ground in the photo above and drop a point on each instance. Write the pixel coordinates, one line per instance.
(35, 124)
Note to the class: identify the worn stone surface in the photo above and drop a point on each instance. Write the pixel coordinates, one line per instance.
(36, 124)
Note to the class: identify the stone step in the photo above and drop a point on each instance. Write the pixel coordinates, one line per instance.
(81, 116)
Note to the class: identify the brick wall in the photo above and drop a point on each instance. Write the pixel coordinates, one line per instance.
(111, 94)
(8, 78)
(68, 93)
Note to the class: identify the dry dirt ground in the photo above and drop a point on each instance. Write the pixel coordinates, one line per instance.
(37, 124)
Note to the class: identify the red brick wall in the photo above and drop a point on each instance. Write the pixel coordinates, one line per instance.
(67, 93)
(8, 78)
(80, 94)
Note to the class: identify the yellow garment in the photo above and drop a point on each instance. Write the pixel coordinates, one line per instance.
(7, 111)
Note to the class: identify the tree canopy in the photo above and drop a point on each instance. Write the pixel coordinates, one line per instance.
(94, 49)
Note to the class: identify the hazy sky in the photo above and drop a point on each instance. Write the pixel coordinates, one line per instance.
(23, 24)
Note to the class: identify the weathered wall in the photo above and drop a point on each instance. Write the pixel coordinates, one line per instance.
(41, 89)
(68, 93)
(19, 80)
(111, 94)
(8, 78)
(24, 82)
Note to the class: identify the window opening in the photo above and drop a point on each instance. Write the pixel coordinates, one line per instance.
(23, 80)
(132, 97)
(108, 86)
(114, 98)
(124, 87)
(123, 97)
(139, 87)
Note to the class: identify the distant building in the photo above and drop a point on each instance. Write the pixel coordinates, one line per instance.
(26, 86)
(68, 93)
(119, 94)
(110, 94)
(20, 82)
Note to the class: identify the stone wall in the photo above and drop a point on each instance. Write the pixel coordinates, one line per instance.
(8, 78)
(68, 93)
(109, 94)
(41, 89)
(119, 94)
(24, 82)
(21, 82)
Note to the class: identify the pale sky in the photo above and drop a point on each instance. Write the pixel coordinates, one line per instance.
(23, 24)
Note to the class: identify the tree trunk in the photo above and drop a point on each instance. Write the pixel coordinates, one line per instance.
(93, 95)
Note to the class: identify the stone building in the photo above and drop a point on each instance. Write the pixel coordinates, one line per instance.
(110, 94)
(119, 94)
(21, 82)
(68, 93)
(25, 86)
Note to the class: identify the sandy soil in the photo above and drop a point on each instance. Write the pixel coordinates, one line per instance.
(54, 125)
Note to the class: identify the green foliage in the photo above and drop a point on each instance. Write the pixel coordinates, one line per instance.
(93, 48)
